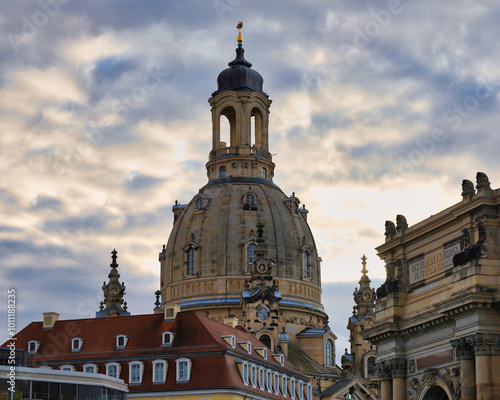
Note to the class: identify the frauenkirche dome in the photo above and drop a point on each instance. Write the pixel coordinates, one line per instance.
(242, 249)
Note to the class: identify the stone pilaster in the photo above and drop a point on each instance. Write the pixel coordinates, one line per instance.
(487, 381)
(384, 369)
(464, 352)
(399, 378)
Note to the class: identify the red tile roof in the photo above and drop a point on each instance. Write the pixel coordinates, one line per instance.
(197, 337)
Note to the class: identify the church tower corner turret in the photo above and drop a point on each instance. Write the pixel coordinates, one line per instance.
(113, 304)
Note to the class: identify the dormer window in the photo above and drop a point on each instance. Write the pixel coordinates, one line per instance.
(244, 372)
(135, 372)
(279, 358)
(300, 390)
(249, 201)
(121, 341)
(90, 368)
(167, 339)
(269, 380)
(76, 344)
(309, 393)
(183, 369)
(33, 346)
(199, 203)
(191, 261)
(246, 346)
(67, 368)
(251, 248)
(159, 371)
(276, 383)
(262, 379)
(292, 388)
(231, 339)
(262, 351)
(284, 385)
(113, 369)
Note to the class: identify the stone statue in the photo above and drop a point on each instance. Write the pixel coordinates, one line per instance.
(401, 224)
(467, 189)
(390, 229)
(482, 181)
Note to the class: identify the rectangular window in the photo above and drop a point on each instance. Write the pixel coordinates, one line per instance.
(190, 261)
(135, 373)
(183, 370)
(113, 371)
(159, 372)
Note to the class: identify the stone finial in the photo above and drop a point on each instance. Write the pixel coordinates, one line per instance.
(467, 189)
(483, 184)
(390, 230)
(401, 224)
(482, 181)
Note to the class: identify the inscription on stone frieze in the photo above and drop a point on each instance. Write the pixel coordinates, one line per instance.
(432, 264)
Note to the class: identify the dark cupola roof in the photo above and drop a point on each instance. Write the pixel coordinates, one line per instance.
(239, 75)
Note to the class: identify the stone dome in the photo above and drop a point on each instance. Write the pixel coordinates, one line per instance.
(219, 222)
(239, 75)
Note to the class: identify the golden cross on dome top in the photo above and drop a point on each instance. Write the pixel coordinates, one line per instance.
(239, 39)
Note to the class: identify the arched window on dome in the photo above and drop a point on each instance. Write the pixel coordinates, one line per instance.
(222, 171)
(249, 201)
(190, 261)
(329, 352)
(251, 248)
(306, 263)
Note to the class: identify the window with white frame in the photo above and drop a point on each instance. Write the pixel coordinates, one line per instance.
(33, 346)
(300, 390)
(284, 385)
(76, 344)
(67, 368)
(90, 368)
(253, 375)
(159, 371)
(135, 372)
(247, 346)
(244, 373)
(262, 379)
(121, 341)
(276, 383)
(292, 388)
(183, 369)
(269, 380)
(231, 339)
(329, 352)
(167, 339)
(309, 392)
(113, 370)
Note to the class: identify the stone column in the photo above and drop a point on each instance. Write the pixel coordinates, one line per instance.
(385, 375)
(464, 352)
(487, 381)
(398, 378)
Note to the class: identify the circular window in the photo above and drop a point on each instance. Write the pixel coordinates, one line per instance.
(262, 267)
(262, 313)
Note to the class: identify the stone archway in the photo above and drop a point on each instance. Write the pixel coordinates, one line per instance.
(435, 393)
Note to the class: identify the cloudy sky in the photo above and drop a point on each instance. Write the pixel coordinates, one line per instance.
(379, 108)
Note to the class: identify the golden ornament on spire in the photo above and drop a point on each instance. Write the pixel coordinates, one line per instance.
(239, 39)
